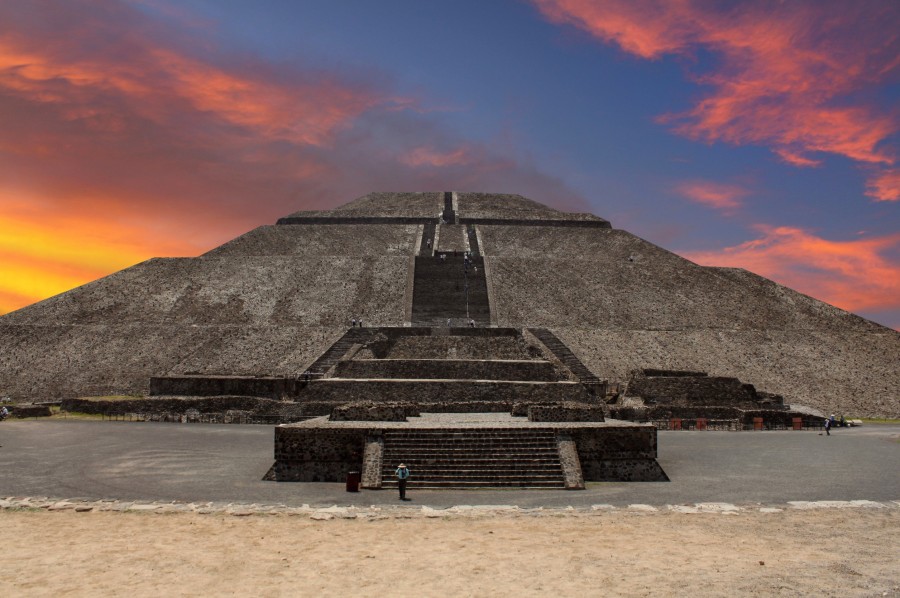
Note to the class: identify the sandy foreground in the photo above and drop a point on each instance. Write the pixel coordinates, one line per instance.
(832, 552)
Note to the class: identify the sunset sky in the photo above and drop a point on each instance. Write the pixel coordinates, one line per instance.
(762, 135)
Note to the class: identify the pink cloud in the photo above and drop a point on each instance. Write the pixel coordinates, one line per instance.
(789, 74)
(427, 156)
(885, 186)
(721, 196)
(853, 275)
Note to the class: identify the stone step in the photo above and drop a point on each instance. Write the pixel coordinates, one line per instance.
(450, 456)
(485, 444)
(492, 457)
(524, 484)
(433, 473)
(508, 453)
(533, 436)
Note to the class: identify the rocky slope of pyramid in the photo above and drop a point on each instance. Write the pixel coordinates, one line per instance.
(270, 302)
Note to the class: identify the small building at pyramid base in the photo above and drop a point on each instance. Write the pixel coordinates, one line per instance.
(461, 407)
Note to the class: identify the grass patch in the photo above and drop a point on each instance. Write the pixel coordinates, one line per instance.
(57, 413)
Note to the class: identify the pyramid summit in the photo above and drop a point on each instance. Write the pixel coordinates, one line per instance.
(272, 304)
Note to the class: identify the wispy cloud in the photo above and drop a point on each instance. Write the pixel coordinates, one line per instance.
(724, 197)
(795, 76)
(855, 275)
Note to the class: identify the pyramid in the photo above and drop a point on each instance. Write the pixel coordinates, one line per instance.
(272, 303)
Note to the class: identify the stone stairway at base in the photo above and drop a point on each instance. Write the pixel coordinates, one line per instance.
(565, 355)
(473, 458)
(439, 292)
(329, 358)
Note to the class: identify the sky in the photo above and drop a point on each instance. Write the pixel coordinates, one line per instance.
(763, 135)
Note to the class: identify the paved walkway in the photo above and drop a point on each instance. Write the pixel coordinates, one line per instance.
(202, 463)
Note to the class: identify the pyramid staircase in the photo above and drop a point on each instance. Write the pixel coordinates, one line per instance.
(428, 230)
(473, 458)
(443, 289)
(569, 359)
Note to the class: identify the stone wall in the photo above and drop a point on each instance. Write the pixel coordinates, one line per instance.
(23, 411)
(441, 391)
(687, 390)
(450, 369)
(317, 454)
(214, 386)
(369, 411)
(566, 412)
(449, 343)
(618, 454)
(176, 405)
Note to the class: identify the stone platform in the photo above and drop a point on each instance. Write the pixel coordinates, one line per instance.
(467, 450)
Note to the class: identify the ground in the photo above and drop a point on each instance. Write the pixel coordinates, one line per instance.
(847, 552)
(611, 539)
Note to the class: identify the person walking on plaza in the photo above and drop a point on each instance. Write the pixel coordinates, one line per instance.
(402, 477)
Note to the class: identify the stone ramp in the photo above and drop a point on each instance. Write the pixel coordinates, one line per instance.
(566, 356)
(473, 458)
(324, 364)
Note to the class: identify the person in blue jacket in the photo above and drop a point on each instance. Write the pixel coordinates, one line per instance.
(402, 477)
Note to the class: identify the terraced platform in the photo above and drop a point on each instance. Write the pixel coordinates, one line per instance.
(468, 450)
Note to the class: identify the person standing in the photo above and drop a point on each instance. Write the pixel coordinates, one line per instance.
(402, 477)
(828, 427)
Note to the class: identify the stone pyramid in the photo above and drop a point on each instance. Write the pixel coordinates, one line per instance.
(271, 303)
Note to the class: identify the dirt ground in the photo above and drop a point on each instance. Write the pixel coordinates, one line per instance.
(846, 552)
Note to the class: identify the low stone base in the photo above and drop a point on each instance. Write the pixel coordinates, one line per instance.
(624, 470)
(320, 450)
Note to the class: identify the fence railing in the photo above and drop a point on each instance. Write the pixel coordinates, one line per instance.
(734, 424)
(205, 418)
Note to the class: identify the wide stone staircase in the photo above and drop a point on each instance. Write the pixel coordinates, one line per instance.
(445, 289)
(473, 458)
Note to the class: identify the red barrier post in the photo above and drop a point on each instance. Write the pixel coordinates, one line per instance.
(757, 423)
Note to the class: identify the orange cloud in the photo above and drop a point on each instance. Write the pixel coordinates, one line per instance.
(720, 196)
(885, 186)
(853, 275)
(789, 74)
(43, 254)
